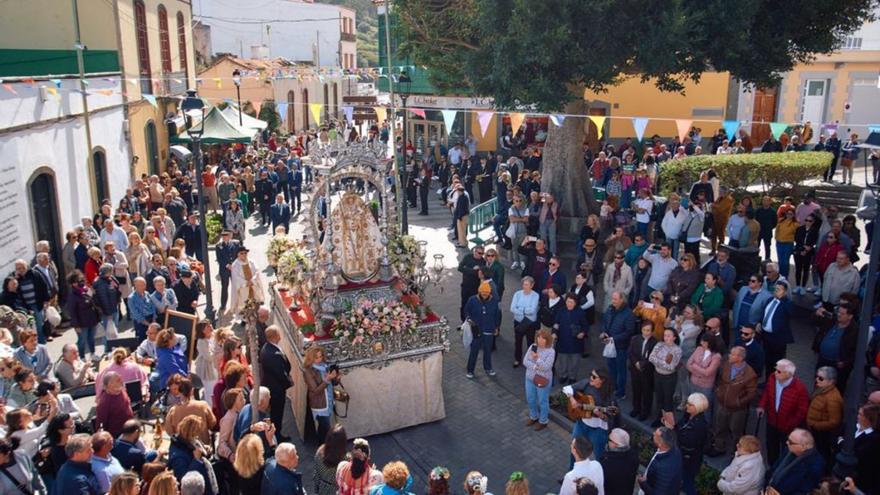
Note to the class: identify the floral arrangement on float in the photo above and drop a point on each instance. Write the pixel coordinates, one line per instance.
(293, 271)
(407, 256)
(369, 319)
(279, 245)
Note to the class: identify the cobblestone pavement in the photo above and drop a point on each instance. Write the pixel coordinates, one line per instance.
(485, 424)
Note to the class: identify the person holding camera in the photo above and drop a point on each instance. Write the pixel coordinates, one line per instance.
(320, 379)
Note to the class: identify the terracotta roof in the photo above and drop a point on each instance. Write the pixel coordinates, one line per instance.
(255, 63)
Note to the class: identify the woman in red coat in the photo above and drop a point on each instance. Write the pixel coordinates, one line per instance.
(93, 265)
(827, 253)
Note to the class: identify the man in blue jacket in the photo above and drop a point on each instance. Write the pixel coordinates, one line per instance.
(296, 182)
(75, 476)
(227, 251)
(775, 327)
(128, 449)
(280, 214)
(618, 323)
(663, 474)
(801, 469)
(484, 315)
(280, 476)
(748, 307)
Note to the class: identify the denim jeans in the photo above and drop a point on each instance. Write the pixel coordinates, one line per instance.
(598, 437)
(85, 340)
(783, 251)
(642, 228)
(39, 322)
(617, 367)
(483, 343)
(673, 244)
(539, 402)
(547, 231)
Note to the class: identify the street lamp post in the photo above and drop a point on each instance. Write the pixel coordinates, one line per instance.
(404, 86)
(194, 108)
(236, 78)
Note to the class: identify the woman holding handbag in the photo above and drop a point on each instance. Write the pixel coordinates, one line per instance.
(538, 361)
(83, 315)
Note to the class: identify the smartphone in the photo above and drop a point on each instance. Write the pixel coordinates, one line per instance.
(531, 238)
(533, 348)
(648, 305)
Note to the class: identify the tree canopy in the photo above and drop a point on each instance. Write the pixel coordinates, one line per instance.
(545, 52)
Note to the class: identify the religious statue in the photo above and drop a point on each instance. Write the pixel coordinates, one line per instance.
(356, 238)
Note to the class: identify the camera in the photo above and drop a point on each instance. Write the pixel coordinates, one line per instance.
(333, 367)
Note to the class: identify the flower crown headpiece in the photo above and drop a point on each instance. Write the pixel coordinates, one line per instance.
(439, 473)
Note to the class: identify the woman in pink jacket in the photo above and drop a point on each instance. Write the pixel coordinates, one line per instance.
(703, 367)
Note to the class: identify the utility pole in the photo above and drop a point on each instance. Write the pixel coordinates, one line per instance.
(318, 49)
(85, 100)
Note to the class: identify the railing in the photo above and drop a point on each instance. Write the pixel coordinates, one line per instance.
(481, 217)
(348, 37)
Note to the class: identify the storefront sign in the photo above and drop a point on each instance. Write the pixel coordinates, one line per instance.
(448, 102)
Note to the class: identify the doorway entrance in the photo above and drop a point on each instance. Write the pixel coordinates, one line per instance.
(152, 148)
(44, 208)
(763, 114)
(813, 107)
(102, 191)
(423, 134)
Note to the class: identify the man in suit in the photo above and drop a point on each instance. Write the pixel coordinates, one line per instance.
(663, 474)
(280, 476)
(775, 328)
(642, 371)
(263, 190)
(296, 181)
(227, 250)
(276, 373)
(280, 214)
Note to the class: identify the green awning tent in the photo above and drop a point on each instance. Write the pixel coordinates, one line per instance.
(248, 122)
(218, 129)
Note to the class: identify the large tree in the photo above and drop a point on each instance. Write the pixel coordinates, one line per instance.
(543, 54)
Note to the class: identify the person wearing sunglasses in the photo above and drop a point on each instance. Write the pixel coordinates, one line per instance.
(618, 277)
(784, 403)
(825, 414)
(826, 254)
(749, 304)
(800, 470)
(552, 276)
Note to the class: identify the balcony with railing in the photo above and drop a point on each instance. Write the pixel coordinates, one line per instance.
(348, 37)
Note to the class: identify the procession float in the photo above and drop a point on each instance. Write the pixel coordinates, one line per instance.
(353, 285)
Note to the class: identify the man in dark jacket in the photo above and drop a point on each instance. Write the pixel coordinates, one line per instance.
(280, 476)
(191, 233)
(767, 219)
(835, 343)
(187, 292)
(775, 328)
(470, 278)
(483, 313)
(128, 449)
(280, 214)
(227, 251)
(176, 208)
(754, 350)
(642, 371)
(799, 471)
(833, 145)
(296, 183)
(737, 385)
(35, 293)
(157, 270)
(618, 324)
(75, 476)
(620, 464)
(276, 373)
(107, 295)
(663, 474)
(264, 191)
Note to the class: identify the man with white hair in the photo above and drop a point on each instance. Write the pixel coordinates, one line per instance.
(70, 370)
(35, 293)
(280, 476)
(620, 463)
(785, 402)
(264, 426)
(192, 483)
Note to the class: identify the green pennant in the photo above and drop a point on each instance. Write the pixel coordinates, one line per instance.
(777, 128)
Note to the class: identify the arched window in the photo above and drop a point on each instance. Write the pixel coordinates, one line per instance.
(164, 40)
(44, 211)
(143, 47)
(181, 43)
(305, 105)
(291, 111)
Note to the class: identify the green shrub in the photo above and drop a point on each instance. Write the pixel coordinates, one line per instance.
(775, 170)
(214, 226)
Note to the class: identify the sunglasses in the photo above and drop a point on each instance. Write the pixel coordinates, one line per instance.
(820, 378)
(490, 255)
(594, 376)
(754, 281)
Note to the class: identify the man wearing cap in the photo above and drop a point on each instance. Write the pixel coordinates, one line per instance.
(280, 214)
(191, 233)
(484, 315)
(187, 292)
(246, 282)
(620, 464)
(227, 250)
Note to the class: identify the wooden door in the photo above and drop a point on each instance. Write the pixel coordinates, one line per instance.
(764, 113)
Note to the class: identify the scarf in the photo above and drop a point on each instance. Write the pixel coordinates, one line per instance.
(616, 277)
(322, 369)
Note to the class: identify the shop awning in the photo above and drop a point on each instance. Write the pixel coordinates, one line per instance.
(219, 129)
(248, 122)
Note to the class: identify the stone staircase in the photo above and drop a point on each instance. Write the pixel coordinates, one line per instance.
(844, 197)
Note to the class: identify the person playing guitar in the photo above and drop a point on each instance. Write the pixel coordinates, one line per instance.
(593, 409)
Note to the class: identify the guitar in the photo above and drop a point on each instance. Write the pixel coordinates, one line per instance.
(586, 406)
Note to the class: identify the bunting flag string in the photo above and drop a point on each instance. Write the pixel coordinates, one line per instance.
(484, 118)
(599, 121)
(381, 112)
(316, 108)
(639, 125)
(448, 119)
(683, 126)
(777, 128)
(417, 111)
(516, 120)
(557, 119)
(349, 113)
(730, 128)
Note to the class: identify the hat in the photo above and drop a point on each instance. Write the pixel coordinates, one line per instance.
(106, 269)
(620, 437)
(485, 288)
(242, 248)
(226, 232)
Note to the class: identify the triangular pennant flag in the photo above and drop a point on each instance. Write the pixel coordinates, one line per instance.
(9, 88)
(28, 80)
(218, 82)
(151, 99)
(282, 111)
(873, 128)
(257, 105)
(557, 119)
(52, 90)
(56, 82)
(599, 121)
(349, 113)
(484, 118)
(639, 125)
(315, 108)
(516, 120)
(132, 80)
(449, 119)
(380, 113)
(418, 111)
(730, 128)
(683, 126)
(777, 128)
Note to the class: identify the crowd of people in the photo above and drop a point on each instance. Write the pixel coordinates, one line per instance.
(664, 320)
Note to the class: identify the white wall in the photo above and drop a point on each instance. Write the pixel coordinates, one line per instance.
(61, 148)
(291, 40)
(870, 33)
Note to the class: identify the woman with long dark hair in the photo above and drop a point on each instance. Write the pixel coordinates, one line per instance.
(356, 475)
(598, 387)
(327, 459)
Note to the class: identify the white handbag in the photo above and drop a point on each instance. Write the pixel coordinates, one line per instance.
(466, 335)
(53, 316)
(609, 351)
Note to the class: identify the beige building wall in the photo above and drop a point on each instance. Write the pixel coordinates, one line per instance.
(55, 29)
(293, 90)
(252, 89)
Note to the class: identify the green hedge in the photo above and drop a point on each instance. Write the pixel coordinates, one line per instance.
(215, 226)
(739, 171)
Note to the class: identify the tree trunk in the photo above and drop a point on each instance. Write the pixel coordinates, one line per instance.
(564, 174)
